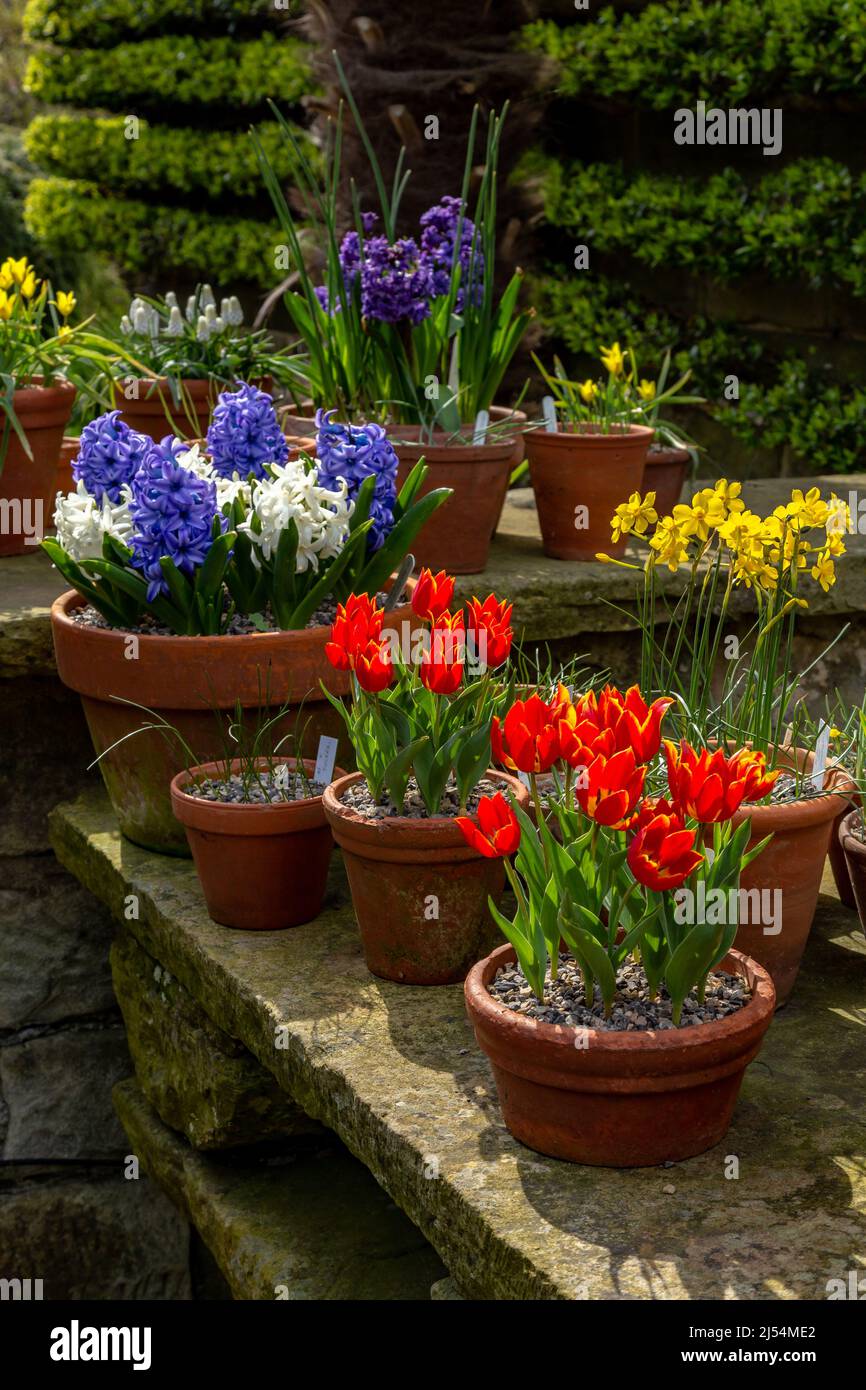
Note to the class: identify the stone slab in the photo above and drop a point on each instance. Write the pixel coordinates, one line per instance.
(201, 1082)
(301, 1224)
(396, 1073)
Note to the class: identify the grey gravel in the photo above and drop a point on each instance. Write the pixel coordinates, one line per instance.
(360, 798)
(260, 790)
(632, 1010)
(241, 624)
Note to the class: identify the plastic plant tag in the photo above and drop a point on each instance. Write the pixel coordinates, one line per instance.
(325, 759)
(524, 778)
(822, 748)
(548, 410)
(482, 420)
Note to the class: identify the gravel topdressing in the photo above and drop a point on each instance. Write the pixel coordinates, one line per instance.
(632, 1010)
(261, 790)
(360, 799)
(240, 625)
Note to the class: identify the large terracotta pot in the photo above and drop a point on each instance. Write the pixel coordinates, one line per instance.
(261, 867)
(665, 474)
(457, 536)
(793, 863)
(153, 411)
(418, 890)
(183, 680)
(854, 851)
(622, 1100)
(28, 487)
(579, 479)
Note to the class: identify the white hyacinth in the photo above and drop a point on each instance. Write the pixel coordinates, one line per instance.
(235, 315)
(203, 329)
(190, 309)
(81, 522)
(141, 319)
(171, 300)
(174, 328)
(322, 516)
(206, 298)
(227, 489)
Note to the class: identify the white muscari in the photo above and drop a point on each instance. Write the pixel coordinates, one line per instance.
(174, 328)
(82, 523)
(322, 516)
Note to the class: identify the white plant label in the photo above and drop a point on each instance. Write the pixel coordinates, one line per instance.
(325, 759)
(548, 410)
(482, 420)
(524, 778)
(822, 748)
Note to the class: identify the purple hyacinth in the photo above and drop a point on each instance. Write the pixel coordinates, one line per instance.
(245, 433)
(396, 281)
(350, 260)
(355, 453)
(173, 512)
(110, 454)
(438, 243)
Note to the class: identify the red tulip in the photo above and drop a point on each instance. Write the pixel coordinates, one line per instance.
(488, 630)
(759, 780)
(527, 739)
(609, 722)
(357, 624)
(442, 667)
(611, 788)
(372, 667)
(707, 786)
(432, 595)
(498, 831)
(662, 855)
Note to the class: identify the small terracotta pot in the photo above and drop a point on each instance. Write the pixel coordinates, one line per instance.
(666, 472)
(184, 679)
(579, 479)
(261, 867)
(457, 536)
(625, 1100)
(153, 411)
(854, 851)
(28, 487)
(839, 861)
(792, 862)
(418, 890)
(68, 454)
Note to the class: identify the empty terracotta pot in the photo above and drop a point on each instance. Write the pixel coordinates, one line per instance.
(184, 679)
(666, 472)
(261, 867)
(854, 851)
(579, 479)
(418, 890)
(792, 863)
(152, 409)
(625, 1100)
(28, 486)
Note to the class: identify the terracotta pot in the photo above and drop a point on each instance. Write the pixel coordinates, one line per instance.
(457, 536)
(400, 869)
(793, 862)
(261, 867)
(839, 861)
(68, 454)
(854, 851)
(28, 487)
(184, 679)
(666, 472)
(625, 1100)
(575, 469)
(154, 411)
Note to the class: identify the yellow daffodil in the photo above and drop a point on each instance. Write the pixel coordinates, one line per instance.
(743, 531)
(647, 390)
(838, 521)
(6, 304)
(728, 495)
(808, 510)
(588, 390)
(613, 360)
(705, 513)
(669, 543)
(634, 516)
(66, 302)
(824, 571)
(835, 544)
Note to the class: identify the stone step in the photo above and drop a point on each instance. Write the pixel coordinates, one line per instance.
(395, 1072)
(299, 1223)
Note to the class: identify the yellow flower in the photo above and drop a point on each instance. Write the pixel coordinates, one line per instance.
(16, 272)
(728, 495)
(588, 390)
(6, 280)
(635, 515)
(669, 543)
(824, 571)
(743, 531)
(835, 544)
(66, 302)
(808, 510)
(838, 517)
(647, 390)
(64, 332)
(6, 303)
(613, 360)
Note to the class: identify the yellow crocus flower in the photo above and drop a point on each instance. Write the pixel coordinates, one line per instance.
(18, 270)
(647, 390)
(66, 302)
(28, 285)
(613, 360)
(588, 390)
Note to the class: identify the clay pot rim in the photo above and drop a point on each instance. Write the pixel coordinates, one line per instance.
(567, 434)
(239, 817)
(374, 831)
(444, 452)
(36, 396)
(850, 842)
(661, 454)
(688, 1042)
(156, 642)
(811, 810)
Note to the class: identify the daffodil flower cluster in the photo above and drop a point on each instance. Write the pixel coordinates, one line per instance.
(625, 398)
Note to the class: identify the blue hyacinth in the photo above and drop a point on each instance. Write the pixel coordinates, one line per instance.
(172, 512)
(355, 453)
(110, 454)
(245, 433)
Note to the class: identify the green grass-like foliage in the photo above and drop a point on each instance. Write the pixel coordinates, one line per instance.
(98, 22)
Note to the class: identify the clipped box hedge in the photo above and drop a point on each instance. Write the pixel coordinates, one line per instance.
(220, 163)
(174, 72)
(666, 55)
(98, 22)
(74, 215)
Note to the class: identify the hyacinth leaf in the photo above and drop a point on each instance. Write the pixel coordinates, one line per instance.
(329, 579)
(381, 565)
(363, 502)
(209, 576)
(410, 489)
(282, 592)
(100, 596)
